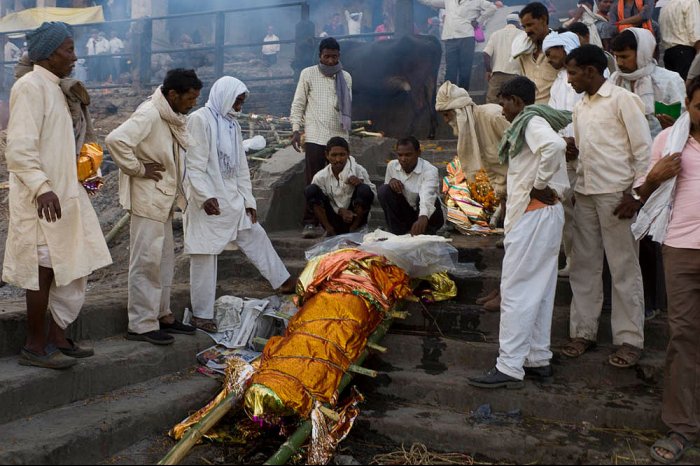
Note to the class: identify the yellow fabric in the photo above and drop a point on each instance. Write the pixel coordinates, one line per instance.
(32, 18)
(89, 161)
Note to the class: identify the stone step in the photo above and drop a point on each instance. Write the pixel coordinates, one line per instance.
(501, 439)
(25, 391)
(89, 431)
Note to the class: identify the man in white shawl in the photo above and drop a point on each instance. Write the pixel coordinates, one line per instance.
(54, 238)
(671, 215)
(222, 210)
(148, 148)
(639, 73)
(556, 47)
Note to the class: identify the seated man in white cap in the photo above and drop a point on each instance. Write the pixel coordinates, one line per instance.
(221, 210)
(54, 238)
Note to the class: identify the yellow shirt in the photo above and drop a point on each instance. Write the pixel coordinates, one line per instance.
(539, 71)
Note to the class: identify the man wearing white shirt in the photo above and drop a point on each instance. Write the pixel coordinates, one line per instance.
(341, 194)
(409, 195)
(537, 182)
(680, 32)
(499, 67)
(270, 51)
(461, 17)
(116, 45)
(354, 22)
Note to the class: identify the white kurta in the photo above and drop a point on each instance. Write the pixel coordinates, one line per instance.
(211, 234)
(41, 158)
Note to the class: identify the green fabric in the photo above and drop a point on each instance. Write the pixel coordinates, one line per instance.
(514, 137)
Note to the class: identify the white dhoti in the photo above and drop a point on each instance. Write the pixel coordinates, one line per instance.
(257, 247)
(528, 286)
(151, 270)
(65, 302)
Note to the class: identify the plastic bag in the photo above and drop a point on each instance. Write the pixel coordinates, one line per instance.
(255, 143)
(479, 35)
(348, 240)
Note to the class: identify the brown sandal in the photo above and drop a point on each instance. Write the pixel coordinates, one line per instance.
(626, 355)
(577, 347)
(208, 325)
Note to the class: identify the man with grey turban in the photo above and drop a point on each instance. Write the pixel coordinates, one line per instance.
(54, 238)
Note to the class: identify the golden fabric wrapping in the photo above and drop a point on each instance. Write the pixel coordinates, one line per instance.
(345, 295)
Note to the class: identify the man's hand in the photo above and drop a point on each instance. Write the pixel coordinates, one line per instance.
(665, 120)
(571, 149)
(211, 206)
(420, 226)
(153, 171)
(628, 207)
(475, 24)
(396, 185)
(354, 181)
(665, 169)
(546, 195)
(49, 207)
(253, 215)
(296, 141)
(347, 215)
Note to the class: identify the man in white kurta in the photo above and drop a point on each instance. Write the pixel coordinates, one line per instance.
(222, 209)
(49, 253)
(147, 149)
(537, 181)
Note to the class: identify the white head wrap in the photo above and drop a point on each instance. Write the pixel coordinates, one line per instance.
(568, 40)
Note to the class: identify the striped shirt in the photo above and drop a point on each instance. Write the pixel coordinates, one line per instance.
(680, 23)
(315, 106)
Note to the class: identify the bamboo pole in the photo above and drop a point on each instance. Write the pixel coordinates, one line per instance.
(117, 228)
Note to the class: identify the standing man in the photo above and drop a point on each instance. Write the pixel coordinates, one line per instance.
(461, 17)
(527, 50)
(270, 51)
(680, 34)
(147, 148)
(54, 237)
(537, 182)
(323, 105)
(499, 67)
(116, 45)
(614, 149)
(221, 210)
(409, 195)
(102, 47)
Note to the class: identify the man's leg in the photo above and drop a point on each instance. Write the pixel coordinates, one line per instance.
(361, 204)
(437, 220)
(452, 53)
(256, 245)
(145, 289)
(680, 410)
(65, 303)
(527, 290)
(622, 252)
(497, 81)
(466, 59)
(679, 59)
(569, 224)
(203, 270)
(167, 272)
(586, 270)
(400, 216)
(37, 303)
(315, 160)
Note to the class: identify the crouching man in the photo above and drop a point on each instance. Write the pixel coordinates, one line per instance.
(409, 195)
(148, 150)
(221, 210)
(341, 194)
(537, 181)
(54, 238)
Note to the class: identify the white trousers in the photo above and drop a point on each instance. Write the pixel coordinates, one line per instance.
(151, 270)
(528, 286)
(65, 302)
(598, 233)
(257, 247)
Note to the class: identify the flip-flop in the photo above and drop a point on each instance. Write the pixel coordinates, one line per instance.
(76, 351)
(676, 448)
(53, 359)
(577, 347)
(627, 353)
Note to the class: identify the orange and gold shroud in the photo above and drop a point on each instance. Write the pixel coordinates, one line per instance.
(345, 296)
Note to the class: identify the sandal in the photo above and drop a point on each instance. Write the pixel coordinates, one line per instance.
(207, 325)
(626, 356)
(674, 443)
(577, 347)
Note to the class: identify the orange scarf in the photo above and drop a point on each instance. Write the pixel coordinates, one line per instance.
(621, 15)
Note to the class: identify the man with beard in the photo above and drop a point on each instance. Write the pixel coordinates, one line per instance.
(323, 105)
(148, 148)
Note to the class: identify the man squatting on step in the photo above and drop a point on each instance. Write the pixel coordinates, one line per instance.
(537, 181)
(54, 237)
(341, 194)
(148, 148)
(221, 211)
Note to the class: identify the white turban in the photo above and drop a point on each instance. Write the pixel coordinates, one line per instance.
(568, 40)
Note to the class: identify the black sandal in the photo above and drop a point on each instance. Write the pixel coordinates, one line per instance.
(674, 443)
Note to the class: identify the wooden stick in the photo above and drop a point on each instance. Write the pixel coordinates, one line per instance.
(116, 229)
(362, 371)
(376, 347)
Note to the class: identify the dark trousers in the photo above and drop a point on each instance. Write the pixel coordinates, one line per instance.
(400, 215)
(315, 162)
(459, 55)
(680, 409)
(362, 197)
(651, 262)
(679, 58)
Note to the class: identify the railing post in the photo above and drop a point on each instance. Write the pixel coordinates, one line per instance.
(404, 18)
(143, 34)
(219, 51)
(4, 84)
(305, 38)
